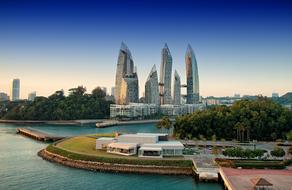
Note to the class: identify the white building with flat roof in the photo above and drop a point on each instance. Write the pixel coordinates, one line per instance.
(152, 145)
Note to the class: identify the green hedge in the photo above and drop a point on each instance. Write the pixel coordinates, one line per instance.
(257, 164)
(76, 156)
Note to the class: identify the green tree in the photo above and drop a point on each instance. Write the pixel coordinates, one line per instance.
(278, 152)
(164, 123)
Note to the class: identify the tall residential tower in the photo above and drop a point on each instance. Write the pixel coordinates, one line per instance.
(165, 76)
(151, 87)
(15, 90)
(176, 89)
(192, 75)
(126, 86)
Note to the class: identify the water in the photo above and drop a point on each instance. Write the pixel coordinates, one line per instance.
(21, 168)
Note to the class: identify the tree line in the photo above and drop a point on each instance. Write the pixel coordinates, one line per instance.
(245, 120)
(77, 105)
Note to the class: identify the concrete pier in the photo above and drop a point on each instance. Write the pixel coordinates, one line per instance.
(37, 135)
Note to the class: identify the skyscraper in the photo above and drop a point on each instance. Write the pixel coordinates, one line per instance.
(31, 96)
(15, 89)
(165, 76)
(176, 89)
(113, 91)
(151, 87)
(193, 94)
(126, 85)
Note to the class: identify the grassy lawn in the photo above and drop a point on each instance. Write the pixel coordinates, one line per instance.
(86, 145)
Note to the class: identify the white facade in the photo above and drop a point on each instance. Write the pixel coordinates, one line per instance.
(153, 145)
(133, 110)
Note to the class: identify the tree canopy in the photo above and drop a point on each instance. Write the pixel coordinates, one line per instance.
(77, 105)
(260, 119)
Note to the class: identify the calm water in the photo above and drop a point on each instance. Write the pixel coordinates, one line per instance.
(21, 168)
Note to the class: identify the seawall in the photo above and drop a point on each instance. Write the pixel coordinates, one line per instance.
(99, 166)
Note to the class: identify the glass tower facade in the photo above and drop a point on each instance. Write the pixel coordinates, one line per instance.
(176, 89)
(151, 87)
(165, 76)
(15, 90)
(193, 94)
(126, 85)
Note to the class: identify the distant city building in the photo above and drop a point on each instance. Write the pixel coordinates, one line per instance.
(193, 94)
(15, 90)
(176, 110)
(151, 88)
(31, 96)
(275, 95)
(126, 85)
(104, 89)
(113, 91)
(3, 97)
(236, 95)
(176, 89)
(165, 76)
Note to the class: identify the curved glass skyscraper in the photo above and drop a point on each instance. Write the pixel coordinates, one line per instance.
(176, 89)
(192, 75)
(126, 85)
(151, 87)
(165, 76)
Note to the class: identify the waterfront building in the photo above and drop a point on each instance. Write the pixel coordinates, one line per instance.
(15, 90)
(126, 78)
(176, 89)
(193, 94)
(150, 145)
(133, 110)
(151, 87)
(3, 97)
(165, 76)
(31, 96)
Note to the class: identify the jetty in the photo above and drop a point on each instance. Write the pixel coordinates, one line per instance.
(110, 123)
(205, 169)
(38, 135)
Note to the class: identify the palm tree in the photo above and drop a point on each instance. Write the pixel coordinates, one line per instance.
(164, 123)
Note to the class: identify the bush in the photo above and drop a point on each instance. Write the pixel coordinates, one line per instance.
(290, 150)
(239, 152)
(278, 152)
(76, 156)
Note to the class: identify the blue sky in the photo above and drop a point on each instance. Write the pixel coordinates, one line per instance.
(241, 46)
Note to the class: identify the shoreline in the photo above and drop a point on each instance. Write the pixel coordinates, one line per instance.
(52, 122)
(110, 123)
(108, 167)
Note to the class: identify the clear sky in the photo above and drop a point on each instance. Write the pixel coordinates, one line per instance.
(241, 46)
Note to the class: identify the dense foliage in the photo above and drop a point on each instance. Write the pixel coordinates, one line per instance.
(243, 153)
(121, 160)
(77, 105)
(278, 152)
(245, 120)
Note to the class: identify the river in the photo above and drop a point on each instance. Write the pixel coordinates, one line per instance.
(21, 168)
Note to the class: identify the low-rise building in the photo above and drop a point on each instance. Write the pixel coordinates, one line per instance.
(3, 97)
(153, 145)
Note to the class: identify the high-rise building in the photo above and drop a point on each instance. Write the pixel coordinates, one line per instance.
(15, 90)
(126, 85)
(129, 89)
(165, 76)
(3, 97)
(31, 96)
(176, 89)
(113, 91)
(193, 94)
(151, 88)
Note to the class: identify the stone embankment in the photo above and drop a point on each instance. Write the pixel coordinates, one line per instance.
(98, 166)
